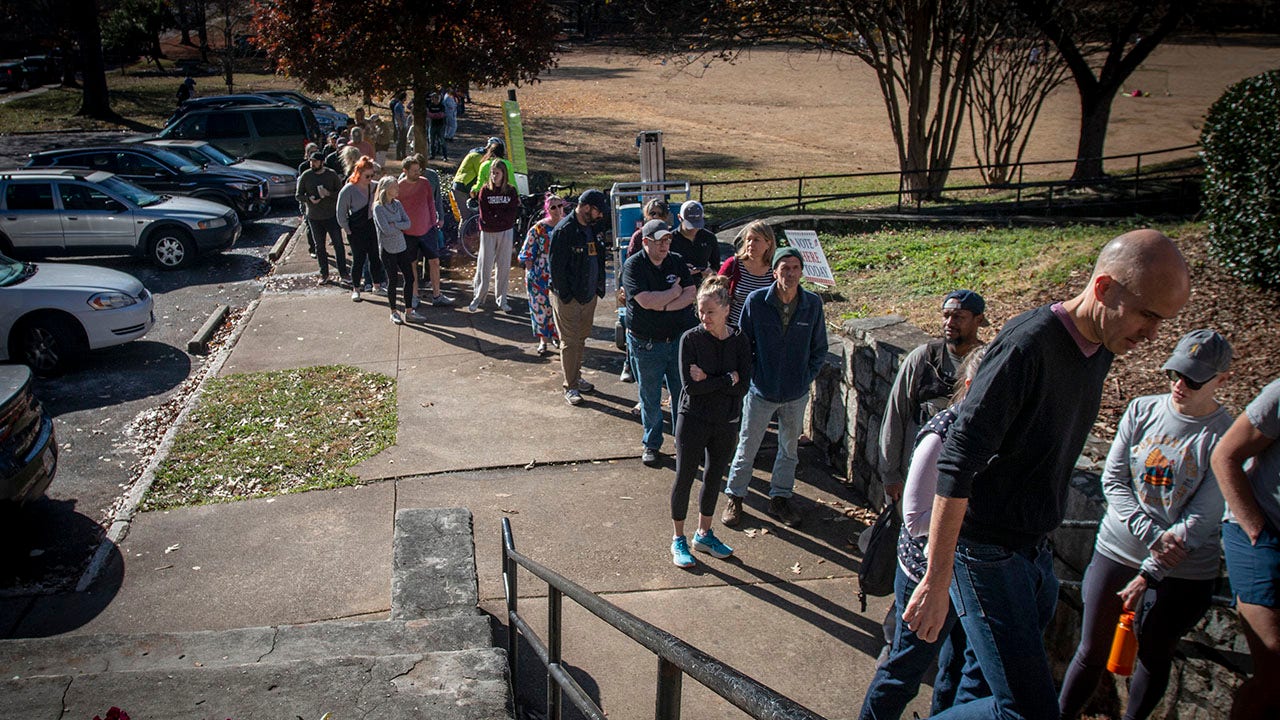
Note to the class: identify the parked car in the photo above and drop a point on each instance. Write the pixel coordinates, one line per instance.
(42, 69)
(329, 117)
(219, 101)
(51, 314)
(13, 76)
(282, 180)
(167, 173)
(49, 212)
(28, 446)
(275, 133)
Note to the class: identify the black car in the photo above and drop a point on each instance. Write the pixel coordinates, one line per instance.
(28, 448)
(167, 173)
(13, 76)
(42, 69)
(219, 101)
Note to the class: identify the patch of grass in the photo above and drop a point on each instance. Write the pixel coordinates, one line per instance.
(277, 432)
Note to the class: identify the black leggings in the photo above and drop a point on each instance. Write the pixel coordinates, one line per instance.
(1178, 605)
(701, 442)
(364, 245)
(403, 262)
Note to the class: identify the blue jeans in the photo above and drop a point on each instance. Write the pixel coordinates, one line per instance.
(898, 680)
(656, 362)
(998, 593)
(756, 414)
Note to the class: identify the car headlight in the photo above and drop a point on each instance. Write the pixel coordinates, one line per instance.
(111, 300)
(277, 179)
(211, 224)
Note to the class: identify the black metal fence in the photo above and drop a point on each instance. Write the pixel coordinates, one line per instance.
(1130, 174)
(676, 658)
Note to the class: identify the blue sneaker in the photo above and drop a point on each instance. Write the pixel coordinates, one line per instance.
(711, 544)
(680, 553)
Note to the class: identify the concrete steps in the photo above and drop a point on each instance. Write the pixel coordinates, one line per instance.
(434, 658)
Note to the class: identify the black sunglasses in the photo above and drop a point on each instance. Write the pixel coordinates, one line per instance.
(1175, 376)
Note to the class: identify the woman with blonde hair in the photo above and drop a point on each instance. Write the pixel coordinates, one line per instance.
(391, 220)
(715, 364)
(499, 207)
(347, 157)
(748, 269)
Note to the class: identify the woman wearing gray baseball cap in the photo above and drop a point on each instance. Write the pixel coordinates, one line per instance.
(1157, 547)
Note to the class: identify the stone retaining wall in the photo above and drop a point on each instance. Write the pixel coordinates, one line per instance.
(845, 413)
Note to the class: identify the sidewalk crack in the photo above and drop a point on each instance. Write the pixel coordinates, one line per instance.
(275, 636)
(65, 691)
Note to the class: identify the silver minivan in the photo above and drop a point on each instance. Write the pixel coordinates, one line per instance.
(49, 213)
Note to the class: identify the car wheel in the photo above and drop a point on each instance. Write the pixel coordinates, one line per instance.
(49, 344)
(172, 249)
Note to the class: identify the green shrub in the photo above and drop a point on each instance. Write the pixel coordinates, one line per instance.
(1241, 140)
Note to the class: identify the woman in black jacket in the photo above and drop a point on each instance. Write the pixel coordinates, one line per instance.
(715, 363)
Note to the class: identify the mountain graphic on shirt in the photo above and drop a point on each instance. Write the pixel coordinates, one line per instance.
(1158, 470)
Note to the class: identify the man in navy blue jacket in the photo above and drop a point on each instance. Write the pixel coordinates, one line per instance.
(788, 333)
(1004, 471)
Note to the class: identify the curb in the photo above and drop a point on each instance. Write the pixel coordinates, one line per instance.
(281, 244)
(124, 515)
(199, 343)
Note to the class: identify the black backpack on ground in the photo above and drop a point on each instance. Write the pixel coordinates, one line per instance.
(880, 560)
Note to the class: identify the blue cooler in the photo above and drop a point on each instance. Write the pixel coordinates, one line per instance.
(628, 221)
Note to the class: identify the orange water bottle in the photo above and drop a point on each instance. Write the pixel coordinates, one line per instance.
(1124, 646)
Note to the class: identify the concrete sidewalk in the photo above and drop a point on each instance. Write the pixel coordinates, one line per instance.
(483, 426)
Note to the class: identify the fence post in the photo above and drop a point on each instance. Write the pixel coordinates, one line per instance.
(800, 193)
(553, 651)
(1137, 176)
(669, 681)
(901, 180)
(1017, 203)
(509, 569)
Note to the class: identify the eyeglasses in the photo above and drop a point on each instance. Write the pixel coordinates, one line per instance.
(1175, 376)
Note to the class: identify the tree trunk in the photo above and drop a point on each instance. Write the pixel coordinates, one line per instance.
(95, 102)
(183, 12)
(228, 48)
(202, 30)
(1095, 114)
(420, 91)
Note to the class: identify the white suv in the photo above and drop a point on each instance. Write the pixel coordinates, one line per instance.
(48, 212)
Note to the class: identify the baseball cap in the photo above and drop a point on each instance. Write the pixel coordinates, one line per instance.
(493, 141)
(691, 215)
(595, 199)
(656, 229)
(1200, 355)
(786, 252)
(317, 155)
(966, 300)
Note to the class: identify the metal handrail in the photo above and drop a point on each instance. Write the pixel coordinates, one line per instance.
(676, 658)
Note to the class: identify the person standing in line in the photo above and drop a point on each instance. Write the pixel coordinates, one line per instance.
(435, 127)
(695, 243)
(655, 209)
(450, 104)
(1005, 467)
(465, 177)
(317, 192)
(577, 283)
(748, 268)
(400, 124)
(1251, 539)
(1157, 548)
(499, 207)
(359, 142)
(535, 256)
(788, 332)
(715, 365)
(898, 676)
(310, 150)
(355, 216)
(420, 197)
(660, 296)
(391, 221)
(494, 154)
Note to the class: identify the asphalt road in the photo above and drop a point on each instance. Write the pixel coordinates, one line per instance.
(108, 412)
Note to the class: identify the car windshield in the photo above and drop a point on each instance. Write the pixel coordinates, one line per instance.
(213, 154)
(13, 271)
(175, 160)
(131, 192)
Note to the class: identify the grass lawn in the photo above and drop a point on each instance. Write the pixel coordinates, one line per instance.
(276, 432)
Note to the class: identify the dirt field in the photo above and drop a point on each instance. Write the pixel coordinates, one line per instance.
(779, 112)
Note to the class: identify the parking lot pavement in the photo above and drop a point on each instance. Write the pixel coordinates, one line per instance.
(110, 412)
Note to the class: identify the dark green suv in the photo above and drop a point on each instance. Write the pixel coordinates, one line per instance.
(276, 133)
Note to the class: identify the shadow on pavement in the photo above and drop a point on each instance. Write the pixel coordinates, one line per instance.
(119, 374)
(531, 685)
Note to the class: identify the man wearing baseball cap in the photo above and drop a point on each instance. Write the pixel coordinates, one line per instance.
(694, 243)
(577, 282)
(788, 333)
(924, 383)
(317, 192)
(660, 293)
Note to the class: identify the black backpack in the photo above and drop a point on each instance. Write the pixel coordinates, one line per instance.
(880, 561)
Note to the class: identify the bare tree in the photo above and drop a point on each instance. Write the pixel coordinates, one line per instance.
(1009, 87)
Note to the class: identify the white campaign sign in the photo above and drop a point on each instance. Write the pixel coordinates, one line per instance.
(816, 268)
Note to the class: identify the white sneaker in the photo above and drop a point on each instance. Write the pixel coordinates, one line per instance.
(395, 317)
(355, 296)
(474, 306)
(572, 396)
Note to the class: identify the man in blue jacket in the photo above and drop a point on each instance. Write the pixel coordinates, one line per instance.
(788, 333)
